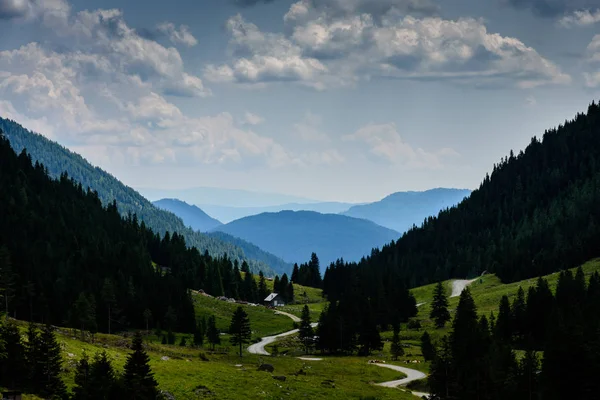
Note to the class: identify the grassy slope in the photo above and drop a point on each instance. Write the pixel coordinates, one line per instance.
(184, 372)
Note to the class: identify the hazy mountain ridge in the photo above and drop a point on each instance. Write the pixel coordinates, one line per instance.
(400, 211)
(192, 216)
(294, 235)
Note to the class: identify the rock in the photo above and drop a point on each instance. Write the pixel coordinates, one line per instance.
(301, 372)
(165, 358)
(266, 368)
(202, 390)
(280, 378)
(164, 395)
(71, 355)
(239, 365)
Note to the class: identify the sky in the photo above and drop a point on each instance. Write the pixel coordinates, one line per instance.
(337, 100)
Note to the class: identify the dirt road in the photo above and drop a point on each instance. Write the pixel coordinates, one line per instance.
(459, 285)
(259, 348)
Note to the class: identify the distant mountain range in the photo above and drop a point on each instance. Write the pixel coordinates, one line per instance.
(191, 215)
(399, 211)
(224, 197)
(58, 159)
(294, 235)
(228, 214)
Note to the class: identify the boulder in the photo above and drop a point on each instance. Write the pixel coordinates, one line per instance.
(266, 367)
(280, 378)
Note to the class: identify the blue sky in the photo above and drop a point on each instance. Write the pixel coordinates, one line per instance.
(345, 100)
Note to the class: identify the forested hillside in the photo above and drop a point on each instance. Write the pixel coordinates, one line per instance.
(67, 260)
(295, 235)
(58, 159)
(535, 214)
(191, 215)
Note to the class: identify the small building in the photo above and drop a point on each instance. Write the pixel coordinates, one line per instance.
(11, 395)
(274, 300)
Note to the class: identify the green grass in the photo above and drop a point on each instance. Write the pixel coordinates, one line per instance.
(184, 374)
(264, 322)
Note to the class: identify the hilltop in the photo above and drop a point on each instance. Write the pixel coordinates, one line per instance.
(293, 236)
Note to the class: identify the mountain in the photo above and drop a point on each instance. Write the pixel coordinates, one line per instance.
(224, 197)
(191, 215)
(227, 214)
(536, 213)
(294, 235)
(58, 159)
(399, 211)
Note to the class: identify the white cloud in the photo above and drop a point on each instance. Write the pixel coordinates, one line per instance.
(309, 129)
(580, 18)
(531, 101)
(385, 144)
(327, 45)
(592, 78)
(253, 119)
(178, 36)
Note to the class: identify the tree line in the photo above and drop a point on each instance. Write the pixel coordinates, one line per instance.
(477, 360)
(65, 259)
(308, 274)
(533, 215)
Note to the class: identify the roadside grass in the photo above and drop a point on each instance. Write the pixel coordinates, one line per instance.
(264, 322)
(182, 372)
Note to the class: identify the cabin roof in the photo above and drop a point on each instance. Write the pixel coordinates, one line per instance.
(271, 297)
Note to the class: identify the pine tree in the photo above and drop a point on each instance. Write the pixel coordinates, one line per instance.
(441, 378)
(239, 329)
(109, 299)
(396, 349)
(439, 306)
(147, 319)
(504, 323)
(199, 333)
(295, 272)
(212, 333)
(263, 292)
(427, 348)
(7, 278)
(305, 332)
(50, 365)
(82, 389)
(183, 342)
(138, 379)
(32, 356)
(102, 378)
(13, 369)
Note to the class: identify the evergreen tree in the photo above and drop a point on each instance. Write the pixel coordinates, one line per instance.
(82, 389)
(519, 315)
(283, 288)
(527, 381)
(263, 292)
(50, 366)
(369, 338)
(442, 379)
(32, 356)
(109, 299)
(439, 306)
(295, 272)
(199, 333)
(504, 322)
(239, 329)
(212, 333)
(7, 278)
(102, 378)
(305, 332)
(183, 341)
(12, 366)
(138, 379)
(396, 349)
(427, 348)
(147, 319)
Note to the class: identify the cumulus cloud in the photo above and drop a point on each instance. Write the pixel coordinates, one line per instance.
(580, 18)
(14, 8)
(252, 119)
(181, 35)
(309, 129)
(592, 78)
(384, 143)
(330, 46)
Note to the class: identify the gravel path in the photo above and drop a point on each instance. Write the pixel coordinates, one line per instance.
(259, 348)
(459, 285)
(411, 375)
(293, 317)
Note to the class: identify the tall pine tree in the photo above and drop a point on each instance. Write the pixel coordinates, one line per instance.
(138, 379)
(239, 329)
(439, 306)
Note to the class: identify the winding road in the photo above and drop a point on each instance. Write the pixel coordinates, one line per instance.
(259, 348)
(459, 285)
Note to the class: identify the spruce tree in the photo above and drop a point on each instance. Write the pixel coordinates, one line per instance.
(239, 329)
(504, 322)
(50, 365)
(263, 292)
(295, 272)
(109, 299)
(212, 333)
(439, 306)
(442, 378)
(199, 333)
(103, 380)
(13, 370)
(7, 278)
(305, 332)
(427, 348)
(82, 389)
(396, 349)
(138, 379)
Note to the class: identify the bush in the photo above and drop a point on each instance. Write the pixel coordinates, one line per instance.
(414, 324)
